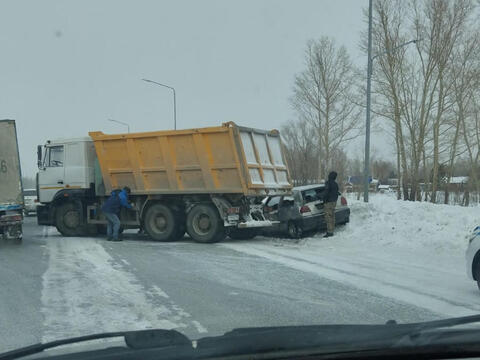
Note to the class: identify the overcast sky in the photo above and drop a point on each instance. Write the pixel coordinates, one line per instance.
(68, 66)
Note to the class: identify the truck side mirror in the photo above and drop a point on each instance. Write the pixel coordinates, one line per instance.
(39, 156)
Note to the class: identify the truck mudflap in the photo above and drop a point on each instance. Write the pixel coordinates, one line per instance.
(11, 227)
(44, 215)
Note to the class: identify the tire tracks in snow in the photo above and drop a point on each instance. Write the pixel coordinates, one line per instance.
(86, 291)
(350, 271)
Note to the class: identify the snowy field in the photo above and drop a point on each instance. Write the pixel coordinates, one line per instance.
(409, 251)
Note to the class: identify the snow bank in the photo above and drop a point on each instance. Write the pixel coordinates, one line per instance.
(385, 220)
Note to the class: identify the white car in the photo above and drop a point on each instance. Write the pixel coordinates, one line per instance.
(473, 256)
(31, 201)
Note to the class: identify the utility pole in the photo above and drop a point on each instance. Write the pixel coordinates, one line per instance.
(367, 125)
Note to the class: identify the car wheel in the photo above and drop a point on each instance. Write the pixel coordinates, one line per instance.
(295, 231)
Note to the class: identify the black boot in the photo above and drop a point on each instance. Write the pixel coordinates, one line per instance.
(328, 234)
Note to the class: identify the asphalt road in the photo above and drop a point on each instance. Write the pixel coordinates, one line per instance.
(54, 287)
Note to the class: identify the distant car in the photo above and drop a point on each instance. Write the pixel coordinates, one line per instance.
(303, 211)
(31, 201)
(383, 189)
(472, 256)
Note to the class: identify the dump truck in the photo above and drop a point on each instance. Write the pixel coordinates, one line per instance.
(208, 182)
(11, 191)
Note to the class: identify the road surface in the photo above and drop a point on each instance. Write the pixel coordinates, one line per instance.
(54, 287)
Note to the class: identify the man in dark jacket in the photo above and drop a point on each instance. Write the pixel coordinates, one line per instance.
(330, 200)
(111, 209)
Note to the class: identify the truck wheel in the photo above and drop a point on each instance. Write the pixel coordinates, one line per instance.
(242, 234)
(160, 223)
(204, 225)
(69, 220)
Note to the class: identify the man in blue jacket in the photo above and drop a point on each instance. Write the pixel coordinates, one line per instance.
(111, 208)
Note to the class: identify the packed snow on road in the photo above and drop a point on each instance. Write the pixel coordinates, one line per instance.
(410, 251)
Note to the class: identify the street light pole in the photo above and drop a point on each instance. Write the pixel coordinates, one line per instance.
(174, 100)
(121, 122)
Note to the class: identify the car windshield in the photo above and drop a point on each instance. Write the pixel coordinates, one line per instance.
(206, 165)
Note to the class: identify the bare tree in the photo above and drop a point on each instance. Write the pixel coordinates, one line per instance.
(388, 34)
(414, 87)
(324, 96)
(447, 25)
(301, 151)
(466, 93)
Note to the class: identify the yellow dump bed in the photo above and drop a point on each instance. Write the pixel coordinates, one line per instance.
(223, 159)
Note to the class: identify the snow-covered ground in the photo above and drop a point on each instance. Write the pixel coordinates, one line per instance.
(409, 251)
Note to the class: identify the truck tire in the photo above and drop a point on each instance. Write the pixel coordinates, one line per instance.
(68, 220)
(242, 234)
(204, 224)
(161, 223)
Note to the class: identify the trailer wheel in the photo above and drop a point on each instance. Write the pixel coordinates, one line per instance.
(242, 234)
(69, 220)
(160, 223)
(204, 224)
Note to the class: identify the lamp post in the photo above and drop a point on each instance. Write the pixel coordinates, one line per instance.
(121, 122)
(174, 100)
(369, 80)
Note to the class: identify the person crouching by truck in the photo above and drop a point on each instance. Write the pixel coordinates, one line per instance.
(330, 200)
(111, 209)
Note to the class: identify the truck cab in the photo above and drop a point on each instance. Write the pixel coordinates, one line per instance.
(65, 174)
(65, 164)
